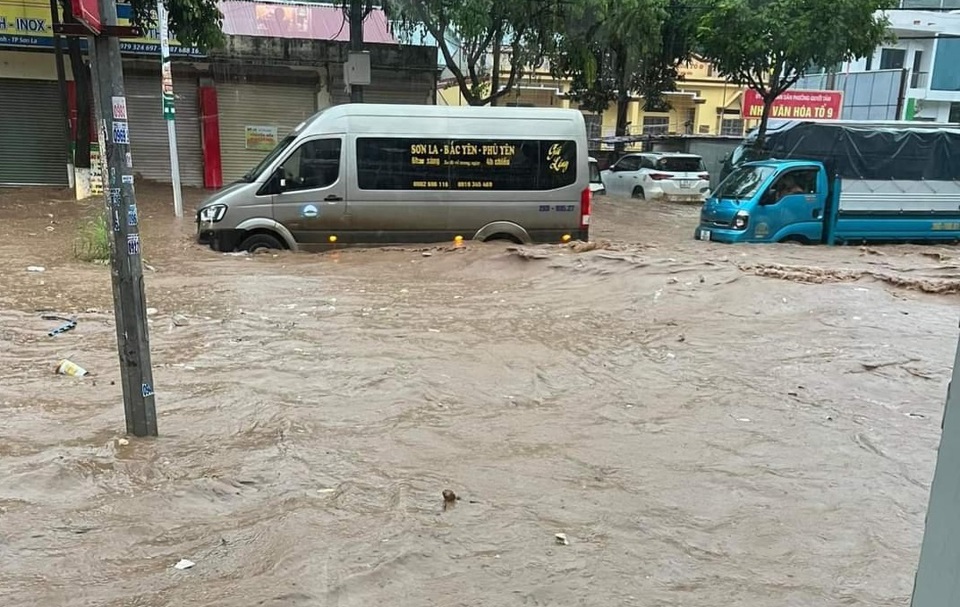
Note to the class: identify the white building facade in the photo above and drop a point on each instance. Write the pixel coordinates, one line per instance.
(927, 53)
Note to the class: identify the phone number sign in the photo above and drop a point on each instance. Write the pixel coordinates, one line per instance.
(795, 105)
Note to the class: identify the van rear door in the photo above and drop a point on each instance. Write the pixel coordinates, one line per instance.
(310, 197)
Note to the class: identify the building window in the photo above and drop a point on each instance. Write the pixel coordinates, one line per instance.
(928, 4)
(954, 112)
(731, 127)
(656, 125)
(893, 58)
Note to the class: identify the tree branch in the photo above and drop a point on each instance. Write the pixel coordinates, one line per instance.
(517, 60)
(438, 32)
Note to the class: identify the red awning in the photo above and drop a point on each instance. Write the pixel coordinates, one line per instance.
(303, 21)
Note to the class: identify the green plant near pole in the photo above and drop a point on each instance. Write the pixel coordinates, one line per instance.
(93, 239)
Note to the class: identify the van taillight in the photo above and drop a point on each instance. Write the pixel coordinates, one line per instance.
(704, 176)
(585, 197)
(660, 176)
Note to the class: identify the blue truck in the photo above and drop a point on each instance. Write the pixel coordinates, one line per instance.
(842, 184)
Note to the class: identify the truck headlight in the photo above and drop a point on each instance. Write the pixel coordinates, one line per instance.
(740, 220)
(213, 213)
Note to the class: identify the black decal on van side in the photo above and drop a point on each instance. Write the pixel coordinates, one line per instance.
(394, 163)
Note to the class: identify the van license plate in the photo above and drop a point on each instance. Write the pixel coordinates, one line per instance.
(686, 183)
(704, 234)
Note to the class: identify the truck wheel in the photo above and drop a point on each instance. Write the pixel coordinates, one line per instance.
(260, 242)
(638, 193)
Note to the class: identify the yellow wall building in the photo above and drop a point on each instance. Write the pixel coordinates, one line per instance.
(703, 104)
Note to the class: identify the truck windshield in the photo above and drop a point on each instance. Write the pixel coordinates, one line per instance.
(743, 182)
(255, 172)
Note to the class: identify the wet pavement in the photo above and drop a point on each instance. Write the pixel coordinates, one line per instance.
(708, 424)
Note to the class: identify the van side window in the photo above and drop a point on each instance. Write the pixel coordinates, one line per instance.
(314, 165)
(407, 163)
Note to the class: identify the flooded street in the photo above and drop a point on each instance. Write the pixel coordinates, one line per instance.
(708, 424)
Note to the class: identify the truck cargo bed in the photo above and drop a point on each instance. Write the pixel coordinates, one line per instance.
(900, 198)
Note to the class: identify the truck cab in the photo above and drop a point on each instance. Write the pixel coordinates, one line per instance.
(768, 201)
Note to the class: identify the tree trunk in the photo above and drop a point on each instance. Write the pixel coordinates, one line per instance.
(764, 119)
(495, 68)
(623, 99)
(773, 91)
(81, 80)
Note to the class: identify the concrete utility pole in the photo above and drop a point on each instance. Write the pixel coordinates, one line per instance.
(169, 109)
(356, 18)
(938, 576)
(129, 302)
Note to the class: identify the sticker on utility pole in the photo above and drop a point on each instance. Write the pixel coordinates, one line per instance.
(127, 179)
(133, 244)
(116, 220)
(132, 215)
(115, 198)
(121, 133)
(146, 390)
(128, 160)
(119, 108)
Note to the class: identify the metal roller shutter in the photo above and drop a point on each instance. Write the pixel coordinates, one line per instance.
(148, 129)
(32, 144)
(243, 104)
(407, 87)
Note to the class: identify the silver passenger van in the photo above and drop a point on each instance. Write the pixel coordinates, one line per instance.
(363, 174)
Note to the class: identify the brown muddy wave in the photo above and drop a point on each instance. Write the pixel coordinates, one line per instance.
(702, 435)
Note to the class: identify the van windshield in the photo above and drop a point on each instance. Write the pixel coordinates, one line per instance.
(255, 172)
(681, 164)
(743, 182)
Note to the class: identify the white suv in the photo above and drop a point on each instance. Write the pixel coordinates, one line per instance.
(667, 176)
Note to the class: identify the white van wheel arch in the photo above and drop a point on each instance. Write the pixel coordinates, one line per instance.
(264, 223)
(499, 228)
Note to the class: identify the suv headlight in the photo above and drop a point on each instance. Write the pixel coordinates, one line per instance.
(213, 213)
(740, 220)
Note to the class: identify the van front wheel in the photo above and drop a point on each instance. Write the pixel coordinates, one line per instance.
(260, 242)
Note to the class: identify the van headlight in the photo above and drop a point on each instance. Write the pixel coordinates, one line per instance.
(740, 220)
(213, 213)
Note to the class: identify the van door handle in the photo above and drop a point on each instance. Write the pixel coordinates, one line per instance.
(333, 198)
(816, 213)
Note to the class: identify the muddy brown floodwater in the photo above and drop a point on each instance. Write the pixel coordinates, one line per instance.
(707, 424)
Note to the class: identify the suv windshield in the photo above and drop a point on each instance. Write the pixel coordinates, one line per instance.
(681, 164)
(255, 172)
(743, 182)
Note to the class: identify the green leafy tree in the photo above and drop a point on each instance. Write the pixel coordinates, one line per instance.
(612, 49)
(191, 22)
(768, 45)
(481, 39)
